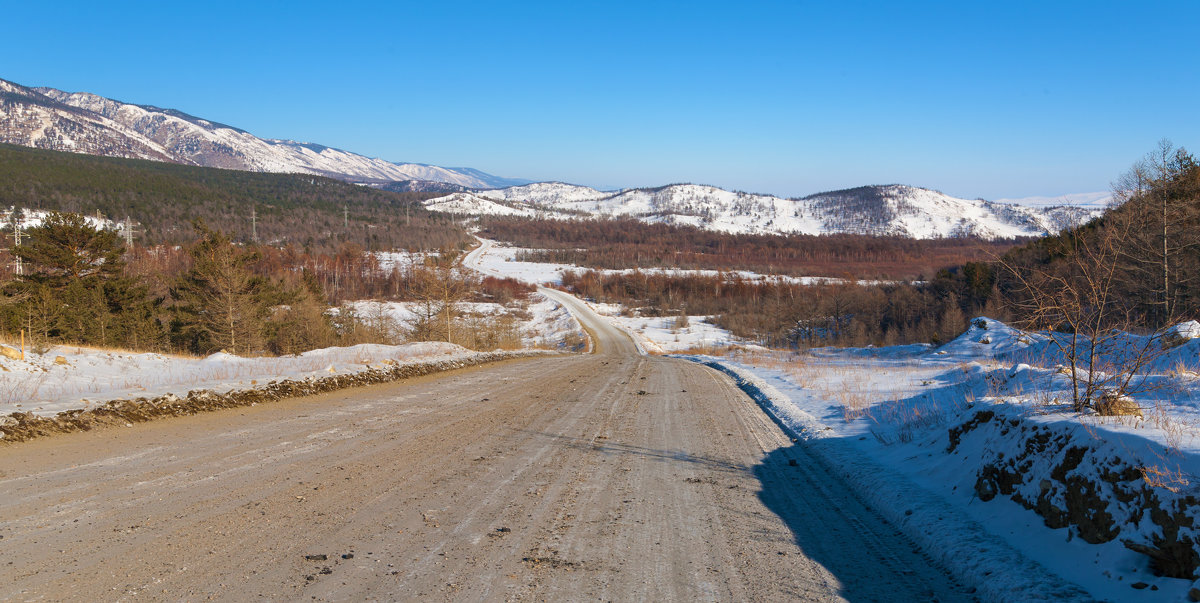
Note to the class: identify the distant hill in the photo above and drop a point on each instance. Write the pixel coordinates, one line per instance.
(163, 198)
(79, 122)
(889, 210)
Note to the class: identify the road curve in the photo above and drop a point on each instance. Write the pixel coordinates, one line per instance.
(608, 476)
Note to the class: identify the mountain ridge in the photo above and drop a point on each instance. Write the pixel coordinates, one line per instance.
(888, 210)
(87, 123)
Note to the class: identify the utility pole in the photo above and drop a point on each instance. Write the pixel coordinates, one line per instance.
(18, 267)
(128, 233)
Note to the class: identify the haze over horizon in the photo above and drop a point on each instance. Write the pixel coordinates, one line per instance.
(785, 98)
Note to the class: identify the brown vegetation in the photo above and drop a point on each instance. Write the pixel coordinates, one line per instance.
(628, 243)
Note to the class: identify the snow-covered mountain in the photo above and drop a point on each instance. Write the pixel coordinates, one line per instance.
(896, 210)
(85, 123)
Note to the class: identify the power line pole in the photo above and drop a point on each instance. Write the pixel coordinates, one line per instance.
(18, 267)
(128, 233)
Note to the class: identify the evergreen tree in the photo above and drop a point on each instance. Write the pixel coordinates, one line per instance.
(65, 249)
(223, 305)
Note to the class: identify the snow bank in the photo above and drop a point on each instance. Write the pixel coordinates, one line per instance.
(984, 425)
(44, 385)
(977, 557)
(22, 426)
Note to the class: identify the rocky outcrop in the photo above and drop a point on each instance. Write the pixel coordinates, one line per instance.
(1082, 484)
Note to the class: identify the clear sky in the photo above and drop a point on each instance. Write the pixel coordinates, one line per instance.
(977, 99)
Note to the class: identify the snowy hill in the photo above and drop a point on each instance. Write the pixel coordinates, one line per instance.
(85, 123)
(896, 210)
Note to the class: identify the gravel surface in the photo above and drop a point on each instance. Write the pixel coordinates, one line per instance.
(608, 476)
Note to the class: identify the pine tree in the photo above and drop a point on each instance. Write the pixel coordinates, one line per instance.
(222, 303)
(65, 249)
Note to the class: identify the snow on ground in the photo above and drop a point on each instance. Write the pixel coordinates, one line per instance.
(895, 412)
(499, 260)
(663, 334)
(492, 259)
(86, 377)
(542, 322)
(393, 260)
(892, 209)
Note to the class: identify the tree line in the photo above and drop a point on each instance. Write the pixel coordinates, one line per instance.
(78, 284)
(628, 243)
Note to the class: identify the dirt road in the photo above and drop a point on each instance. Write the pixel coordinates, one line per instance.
(610, 476)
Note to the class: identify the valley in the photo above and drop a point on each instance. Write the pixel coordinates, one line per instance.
(235, 366)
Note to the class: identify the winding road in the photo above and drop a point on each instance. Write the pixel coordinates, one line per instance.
(604, 476)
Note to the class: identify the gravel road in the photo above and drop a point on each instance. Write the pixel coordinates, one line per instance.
(609, 476)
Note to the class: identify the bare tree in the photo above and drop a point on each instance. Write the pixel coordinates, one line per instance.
(1158, 206)
(439, 287)
(1075, 298)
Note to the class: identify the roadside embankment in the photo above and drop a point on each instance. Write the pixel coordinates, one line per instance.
(23, 426)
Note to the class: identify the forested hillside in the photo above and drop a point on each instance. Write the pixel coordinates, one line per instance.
(629, 243)
(315, 213)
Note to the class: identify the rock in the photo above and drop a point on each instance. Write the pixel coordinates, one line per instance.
(316, 557)
(1194, 594)
(8, 352)
(1112, 405)
(60, 360)
(792, 463)
(348, 556)
(1139, 585)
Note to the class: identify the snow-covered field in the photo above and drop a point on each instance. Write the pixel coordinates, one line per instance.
(658, 334)
(984, 423)
(499, 260)
(664, 334)
(544, 322)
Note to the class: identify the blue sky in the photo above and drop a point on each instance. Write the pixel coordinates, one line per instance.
(995, 99)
